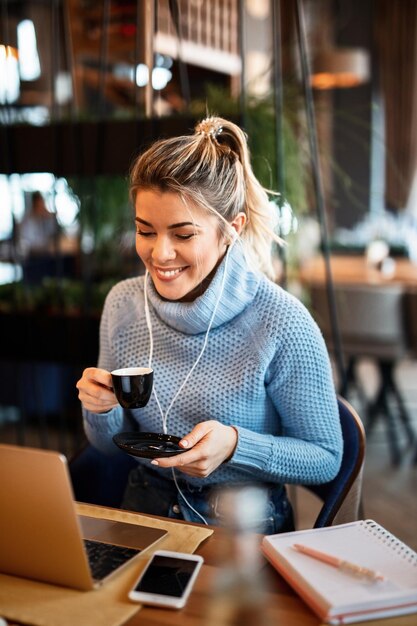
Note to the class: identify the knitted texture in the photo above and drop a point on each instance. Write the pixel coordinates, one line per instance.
(265, 370)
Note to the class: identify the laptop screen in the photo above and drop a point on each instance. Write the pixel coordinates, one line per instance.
(41, 535)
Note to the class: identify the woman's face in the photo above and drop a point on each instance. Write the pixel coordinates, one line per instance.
(180, 246)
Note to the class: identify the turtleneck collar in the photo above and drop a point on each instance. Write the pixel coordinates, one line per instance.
(192, 318)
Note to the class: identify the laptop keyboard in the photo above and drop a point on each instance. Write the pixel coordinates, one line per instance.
(104, 558)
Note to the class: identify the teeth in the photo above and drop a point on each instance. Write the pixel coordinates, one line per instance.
(169, 273)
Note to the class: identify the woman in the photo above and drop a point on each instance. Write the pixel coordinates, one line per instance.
(241, 372)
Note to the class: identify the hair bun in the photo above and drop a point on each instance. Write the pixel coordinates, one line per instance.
(210, 127)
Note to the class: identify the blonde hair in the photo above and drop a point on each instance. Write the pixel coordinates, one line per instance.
(212, 169)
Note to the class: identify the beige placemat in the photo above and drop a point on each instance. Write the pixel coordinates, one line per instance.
(39, 604)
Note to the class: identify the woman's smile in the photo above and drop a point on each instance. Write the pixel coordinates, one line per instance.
(169, 273)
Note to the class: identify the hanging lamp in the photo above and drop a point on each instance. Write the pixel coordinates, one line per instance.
(335, 68)
(9, 74)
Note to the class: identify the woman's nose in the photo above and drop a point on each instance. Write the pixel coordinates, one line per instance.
(163, 250)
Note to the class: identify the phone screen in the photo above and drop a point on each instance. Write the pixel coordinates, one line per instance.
(167, 576)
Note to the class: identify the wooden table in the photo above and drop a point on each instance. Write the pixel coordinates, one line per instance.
(283, 607)
(355, 270)
(282, 604)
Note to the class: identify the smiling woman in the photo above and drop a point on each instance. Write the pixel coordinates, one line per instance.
(237, 361)
(179, 247)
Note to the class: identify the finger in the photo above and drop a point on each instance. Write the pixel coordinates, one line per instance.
(198, 432)
(97, 403)
(179, 460)
(100, 398)
(98, 410)
(95, 381)
(193, 471)
(189, 472)
(92, 389)
(98, 376)
(92, 405)
(99, 406)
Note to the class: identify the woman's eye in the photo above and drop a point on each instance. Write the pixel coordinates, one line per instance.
(150, 233)
(185, 236)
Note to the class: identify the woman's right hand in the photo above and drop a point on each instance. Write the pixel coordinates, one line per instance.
(95, 390)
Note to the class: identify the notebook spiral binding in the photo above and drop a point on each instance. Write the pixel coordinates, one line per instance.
(391, 541)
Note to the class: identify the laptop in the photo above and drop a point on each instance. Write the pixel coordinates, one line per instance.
(41, 535)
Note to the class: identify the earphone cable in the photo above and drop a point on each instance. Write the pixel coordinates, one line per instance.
(176, 395)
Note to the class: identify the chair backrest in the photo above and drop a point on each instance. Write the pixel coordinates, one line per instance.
(371, 318)
(341, 496)
(98, 478)
(411, 317)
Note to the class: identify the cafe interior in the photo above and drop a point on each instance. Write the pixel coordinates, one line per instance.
(326, 91)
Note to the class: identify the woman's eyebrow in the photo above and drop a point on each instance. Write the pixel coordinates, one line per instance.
(171, 226)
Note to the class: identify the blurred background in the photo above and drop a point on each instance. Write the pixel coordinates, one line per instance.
(325, 89)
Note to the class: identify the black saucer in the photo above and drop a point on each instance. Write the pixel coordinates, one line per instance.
(148, 445)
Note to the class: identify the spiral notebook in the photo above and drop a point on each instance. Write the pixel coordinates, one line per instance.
(336, 596)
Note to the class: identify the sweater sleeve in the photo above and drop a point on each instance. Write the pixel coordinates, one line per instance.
(300, 385)
(100, 428)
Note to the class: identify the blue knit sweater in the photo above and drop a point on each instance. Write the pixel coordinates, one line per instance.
(265, 370)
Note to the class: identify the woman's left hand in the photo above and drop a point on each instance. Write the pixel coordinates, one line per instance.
(211, 443)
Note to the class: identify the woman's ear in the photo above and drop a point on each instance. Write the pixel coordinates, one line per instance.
(238, 223)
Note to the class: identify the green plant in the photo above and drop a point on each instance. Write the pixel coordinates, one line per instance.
(62, 295)
(105, 218)
(259, 122)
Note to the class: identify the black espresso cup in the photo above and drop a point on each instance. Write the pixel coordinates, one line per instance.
(132, 386)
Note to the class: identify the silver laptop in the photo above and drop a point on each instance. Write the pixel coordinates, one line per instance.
(41, 535)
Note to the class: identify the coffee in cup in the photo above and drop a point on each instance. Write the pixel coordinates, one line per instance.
(132, 386)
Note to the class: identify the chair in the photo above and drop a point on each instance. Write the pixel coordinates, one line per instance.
(411, 317)
(371, 321)
(98, 478)
(341, 496)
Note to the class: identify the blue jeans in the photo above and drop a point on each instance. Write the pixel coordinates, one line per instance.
(150, 493)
